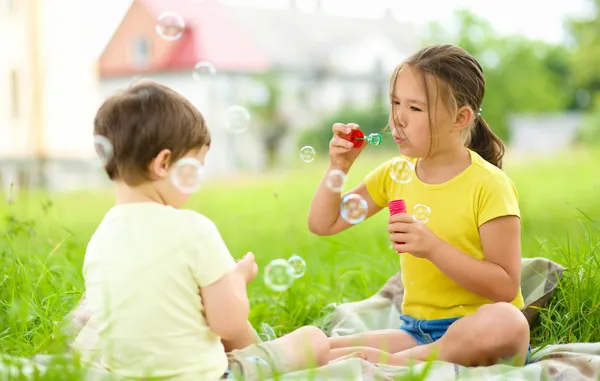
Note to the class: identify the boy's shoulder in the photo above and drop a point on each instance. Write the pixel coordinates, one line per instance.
(196, 219)
(156, 218)
(197, 226)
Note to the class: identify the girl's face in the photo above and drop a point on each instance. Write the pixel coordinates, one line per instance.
(411, 113)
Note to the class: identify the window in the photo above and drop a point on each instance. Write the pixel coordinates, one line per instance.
(141, 51)
(14, 93)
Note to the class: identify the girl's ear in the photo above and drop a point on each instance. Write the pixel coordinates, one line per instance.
(464, 117)
(159, 166)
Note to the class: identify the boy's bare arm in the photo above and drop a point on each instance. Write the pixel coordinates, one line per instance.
(226, 305)
(245, 339)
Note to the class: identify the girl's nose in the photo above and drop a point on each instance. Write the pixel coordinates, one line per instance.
(397, 120)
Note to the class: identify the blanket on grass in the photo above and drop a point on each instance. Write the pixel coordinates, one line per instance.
(569, 362)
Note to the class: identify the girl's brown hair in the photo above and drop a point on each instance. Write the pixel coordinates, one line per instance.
(460, 82)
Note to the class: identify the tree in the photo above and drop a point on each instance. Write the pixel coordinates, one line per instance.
(522, 75)
(586, 57)
(273, 123)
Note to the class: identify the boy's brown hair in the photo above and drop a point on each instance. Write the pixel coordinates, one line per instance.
(143, 120)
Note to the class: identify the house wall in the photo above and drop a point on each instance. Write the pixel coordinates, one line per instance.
(120, 57)
(70, 82)
(15, 103)
(67, 81)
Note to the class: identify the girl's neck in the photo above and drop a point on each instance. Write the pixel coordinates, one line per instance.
(443, 165)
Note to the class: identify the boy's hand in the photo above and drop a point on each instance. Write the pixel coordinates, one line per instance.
(409, 236)
(248, 267)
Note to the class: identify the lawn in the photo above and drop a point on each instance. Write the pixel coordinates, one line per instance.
(43, 239)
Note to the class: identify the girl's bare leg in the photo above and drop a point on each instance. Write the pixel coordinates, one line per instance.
(388, 340)
(373, 355)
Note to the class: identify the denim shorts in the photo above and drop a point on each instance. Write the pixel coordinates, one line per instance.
(429, 331)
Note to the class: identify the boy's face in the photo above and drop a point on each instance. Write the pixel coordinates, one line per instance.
(176, 182)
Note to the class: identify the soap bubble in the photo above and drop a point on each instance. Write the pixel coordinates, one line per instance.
(203, 69)
(279, 275)
(335, 180)
(170, 26)
(354, 208)
(238, 119)
(401, 170)
(307, 154)
(298, 264)
(187, 174)
(421, 213)
(103, 148)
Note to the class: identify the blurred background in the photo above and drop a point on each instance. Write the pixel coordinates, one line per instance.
(271, 77)
(296, 66)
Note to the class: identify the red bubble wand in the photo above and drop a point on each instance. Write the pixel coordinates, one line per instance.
(357, 137)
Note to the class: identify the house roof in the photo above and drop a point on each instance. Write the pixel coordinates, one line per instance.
(300, 40)
(253, 39)
(210, 35)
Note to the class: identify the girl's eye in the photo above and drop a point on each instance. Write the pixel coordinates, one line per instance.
(413, 108)
(395, 103)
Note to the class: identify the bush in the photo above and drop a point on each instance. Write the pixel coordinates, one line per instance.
(370, 120)
(590, 130)
(589, 133)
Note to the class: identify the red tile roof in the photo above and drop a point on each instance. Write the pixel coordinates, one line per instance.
(211, 35)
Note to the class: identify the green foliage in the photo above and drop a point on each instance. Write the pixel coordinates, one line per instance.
(522, 75)
(271, 121)
(586, 57)
(590, 130)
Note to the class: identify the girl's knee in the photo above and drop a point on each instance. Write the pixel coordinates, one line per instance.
(501, 327)
(493, 326)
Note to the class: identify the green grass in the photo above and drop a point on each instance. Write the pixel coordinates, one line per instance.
(43, 240)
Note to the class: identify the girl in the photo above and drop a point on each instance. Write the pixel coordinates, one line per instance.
(460, 270)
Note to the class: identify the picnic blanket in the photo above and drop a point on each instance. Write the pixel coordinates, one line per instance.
(570, 362)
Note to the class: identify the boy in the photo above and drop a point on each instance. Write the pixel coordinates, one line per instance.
(166, 298)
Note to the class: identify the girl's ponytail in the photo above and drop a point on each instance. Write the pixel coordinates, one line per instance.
(486, 143)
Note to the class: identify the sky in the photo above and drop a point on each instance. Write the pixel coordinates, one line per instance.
(537, 19)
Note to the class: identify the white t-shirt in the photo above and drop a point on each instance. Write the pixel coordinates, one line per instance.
(143, 268)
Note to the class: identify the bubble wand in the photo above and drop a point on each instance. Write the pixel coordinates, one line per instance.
(358, 138)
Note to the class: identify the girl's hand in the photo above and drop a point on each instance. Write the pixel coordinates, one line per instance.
(409, 236)
(341, 150)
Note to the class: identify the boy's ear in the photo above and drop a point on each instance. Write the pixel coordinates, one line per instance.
(159, 166)
(464, 116)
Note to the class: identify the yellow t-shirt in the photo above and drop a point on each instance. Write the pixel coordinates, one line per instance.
(459, 207)
(143, 268)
